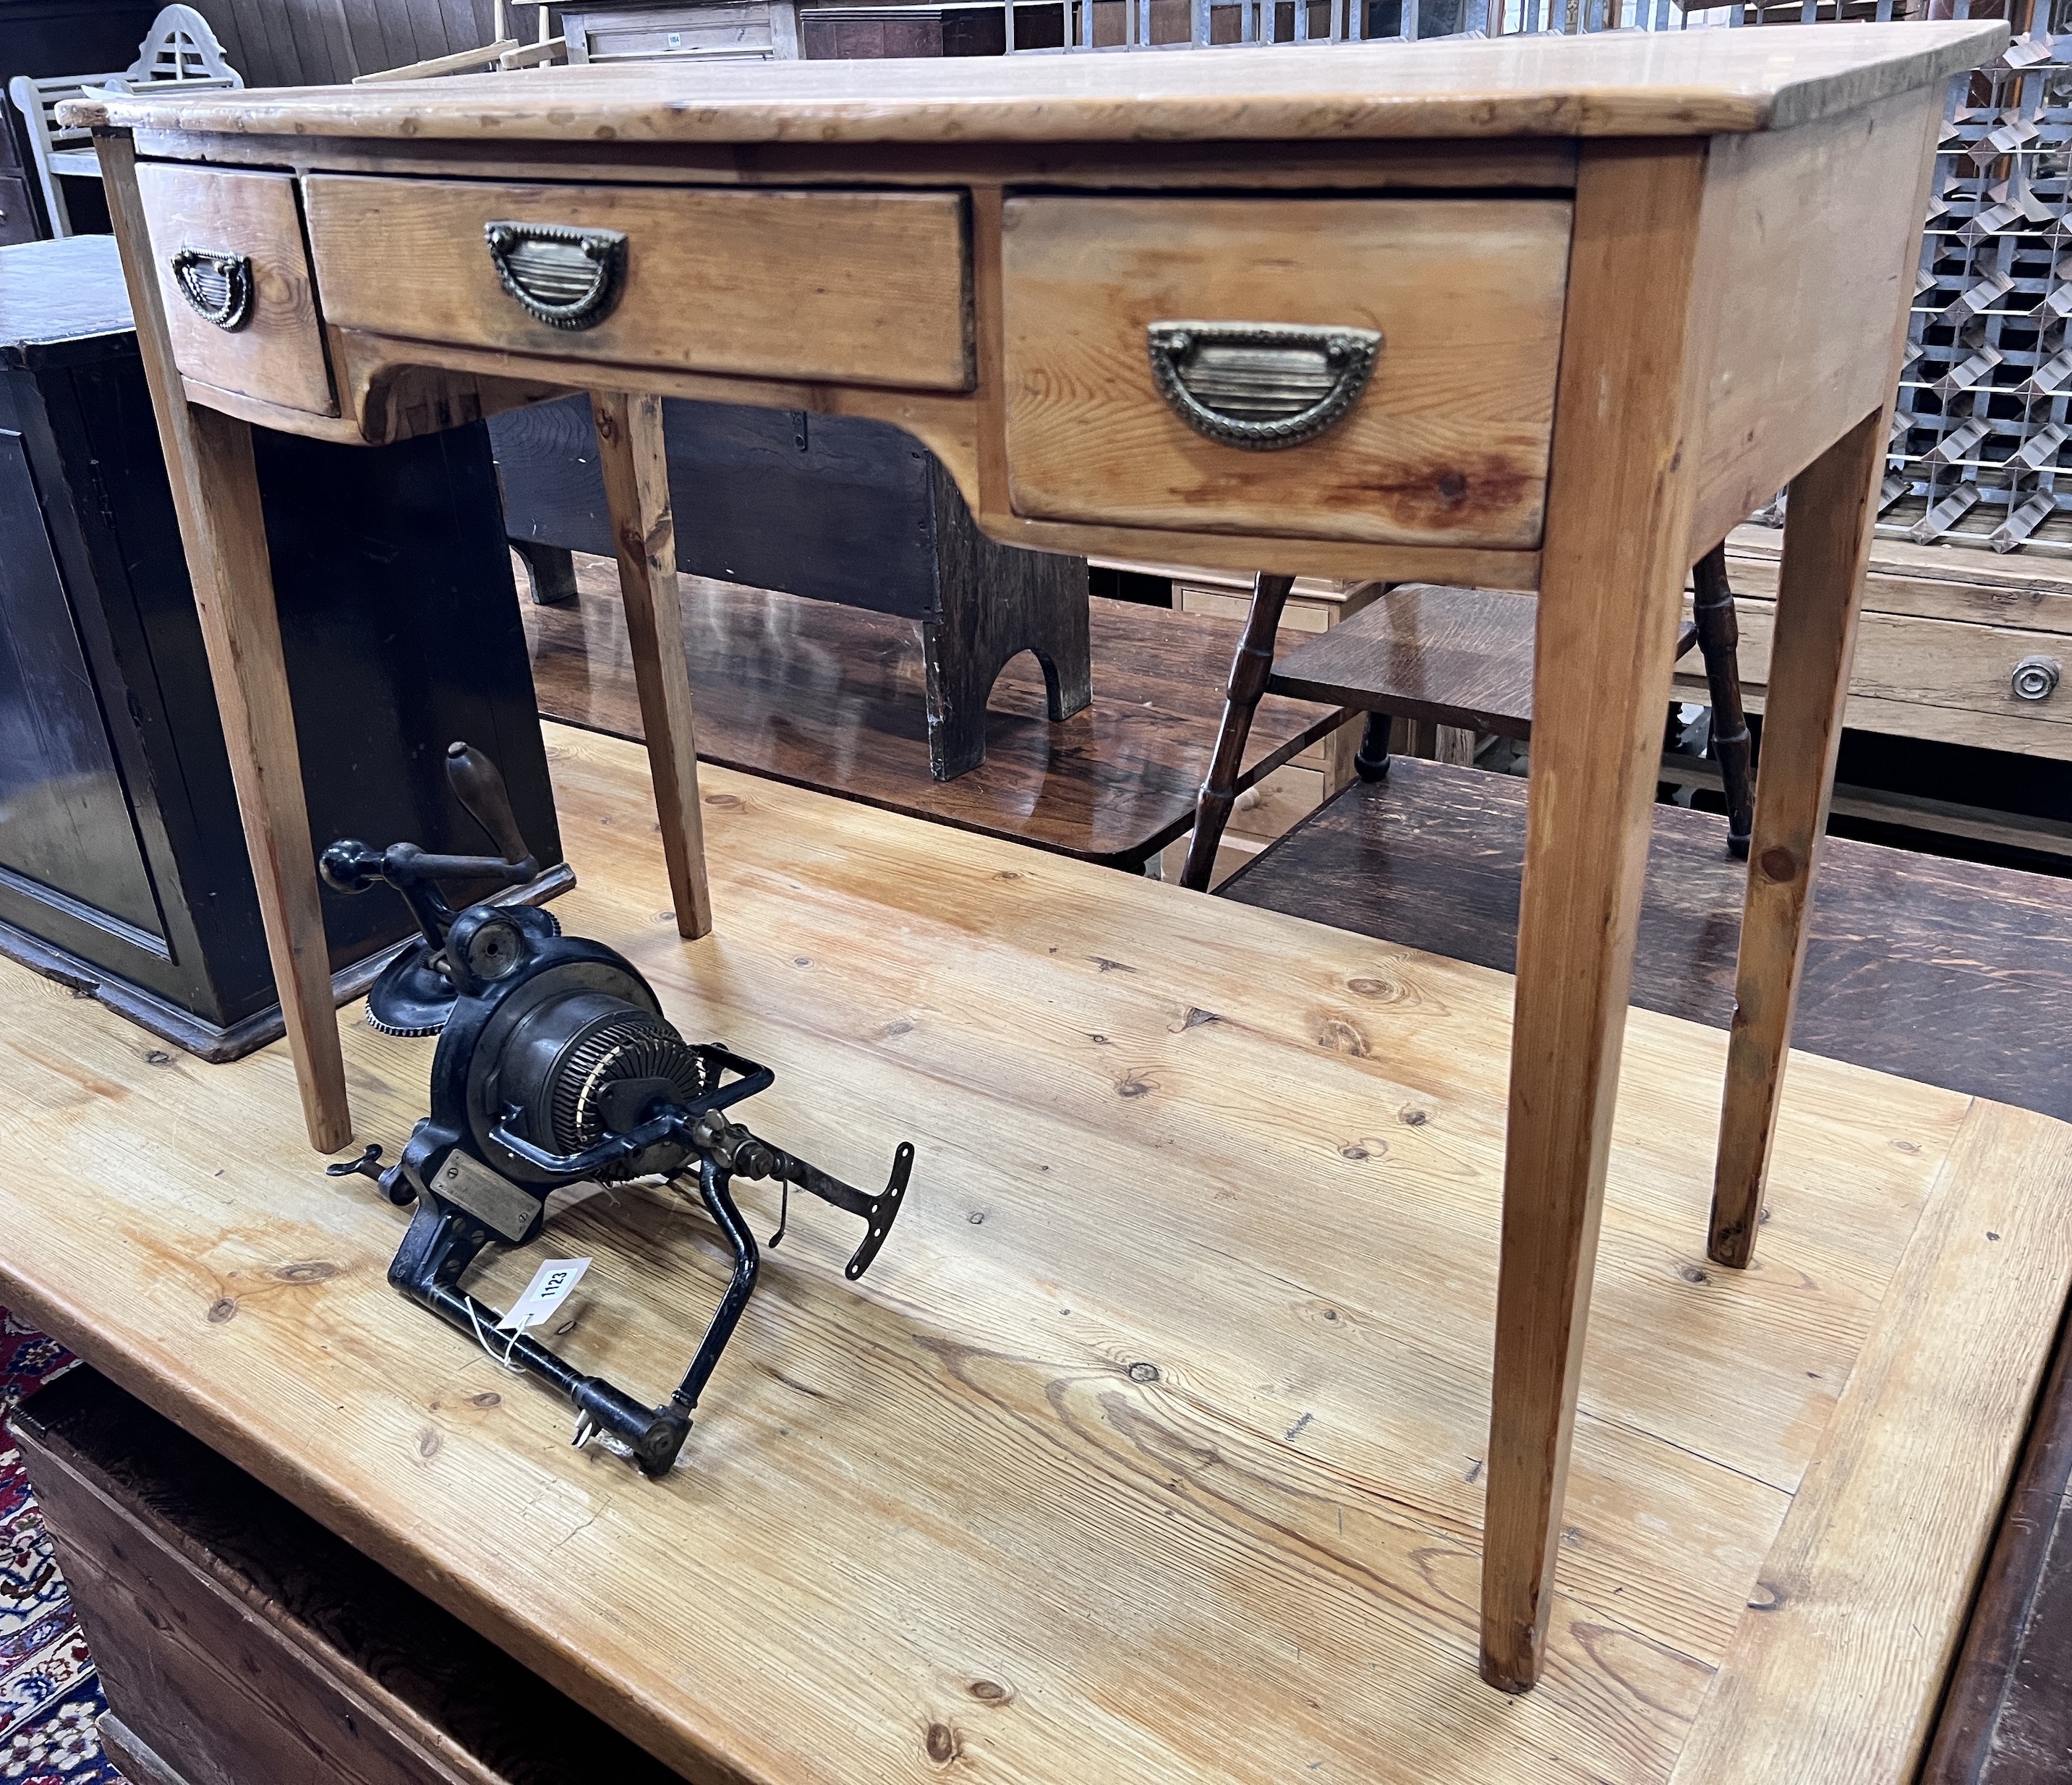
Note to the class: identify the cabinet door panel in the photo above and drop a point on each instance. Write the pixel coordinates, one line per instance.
(65, 827)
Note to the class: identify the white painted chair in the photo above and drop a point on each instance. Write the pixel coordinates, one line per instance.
(179, 48)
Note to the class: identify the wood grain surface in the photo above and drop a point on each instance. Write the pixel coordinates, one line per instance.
(865, 287)
(278, 355)
(832, 697)
(1947, 971)
(1447, 445)
(1152, 1447)
(1809, 244)
(1426, 651)
(1673, 83)
(1987, 1237)
(223, 530)
(1617, 517)
(2008, 1718)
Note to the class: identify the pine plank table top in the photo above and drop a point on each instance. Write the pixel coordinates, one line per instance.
(1153, 1449)
(1640, 84)
(1567, 311)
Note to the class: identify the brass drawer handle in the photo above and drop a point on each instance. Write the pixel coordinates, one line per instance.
(2036, 678)
(217, 287)
(567, 278)
(1260, 385)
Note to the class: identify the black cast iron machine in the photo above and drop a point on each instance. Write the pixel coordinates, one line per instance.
(555, 1065)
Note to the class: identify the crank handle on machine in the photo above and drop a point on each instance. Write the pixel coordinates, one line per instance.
(745, 1155)
(352, 866)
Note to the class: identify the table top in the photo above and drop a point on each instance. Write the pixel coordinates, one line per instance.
(53, 292)
(1152, 1448)
(833, 698)
(1686, 83)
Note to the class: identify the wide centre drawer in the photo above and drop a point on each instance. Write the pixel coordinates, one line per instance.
(865, 287)
(1168, 360)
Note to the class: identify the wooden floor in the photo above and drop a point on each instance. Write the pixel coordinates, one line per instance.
(1151, 1449)
(832, 698)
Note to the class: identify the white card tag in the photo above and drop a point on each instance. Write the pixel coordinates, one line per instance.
(551, 1286)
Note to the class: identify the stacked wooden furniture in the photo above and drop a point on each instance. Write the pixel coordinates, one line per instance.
(733, 30)
(51, 37)
(832, 696)
(830, 508)
(1956, 645)
(178, 48)
(1269, 807)
(1025, 261)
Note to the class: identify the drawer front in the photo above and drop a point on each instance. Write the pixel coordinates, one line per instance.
(863, 287)
(692, 31)
(1445, 444)
(1949, 679)
(273, 350)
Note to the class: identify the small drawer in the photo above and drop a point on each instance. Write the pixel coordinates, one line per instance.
(234, 280)
(1112, 417)
(865, 287)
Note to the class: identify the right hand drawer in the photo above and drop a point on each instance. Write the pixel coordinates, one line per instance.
(1115, 415)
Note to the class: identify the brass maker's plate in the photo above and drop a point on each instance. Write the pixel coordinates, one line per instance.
(492, 1200)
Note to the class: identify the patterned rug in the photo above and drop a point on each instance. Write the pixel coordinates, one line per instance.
(49, 1695)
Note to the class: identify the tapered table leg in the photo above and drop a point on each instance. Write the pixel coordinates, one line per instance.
(636, 483)
(1827, 524)
(215, 493)
(1618, 537)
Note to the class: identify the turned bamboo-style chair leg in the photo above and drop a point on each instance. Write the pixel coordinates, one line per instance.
(1718, 643)
(1249, 670)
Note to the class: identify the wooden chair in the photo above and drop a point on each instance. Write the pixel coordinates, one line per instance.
(178, 48)
(1448, 656)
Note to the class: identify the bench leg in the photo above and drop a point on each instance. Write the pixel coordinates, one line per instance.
(1718, 643)
(1827, 543)
(550, 572)
(636, 483)
(215, 495)
(1249, 670)
(1618, 536)
(993, 602)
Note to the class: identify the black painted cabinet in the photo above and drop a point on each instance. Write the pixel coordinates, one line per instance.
(122, 863)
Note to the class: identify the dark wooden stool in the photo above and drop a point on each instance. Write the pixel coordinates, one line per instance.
(1449, 656)
(828, 507)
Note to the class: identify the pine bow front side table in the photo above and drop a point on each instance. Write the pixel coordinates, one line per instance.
(1540, 313)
